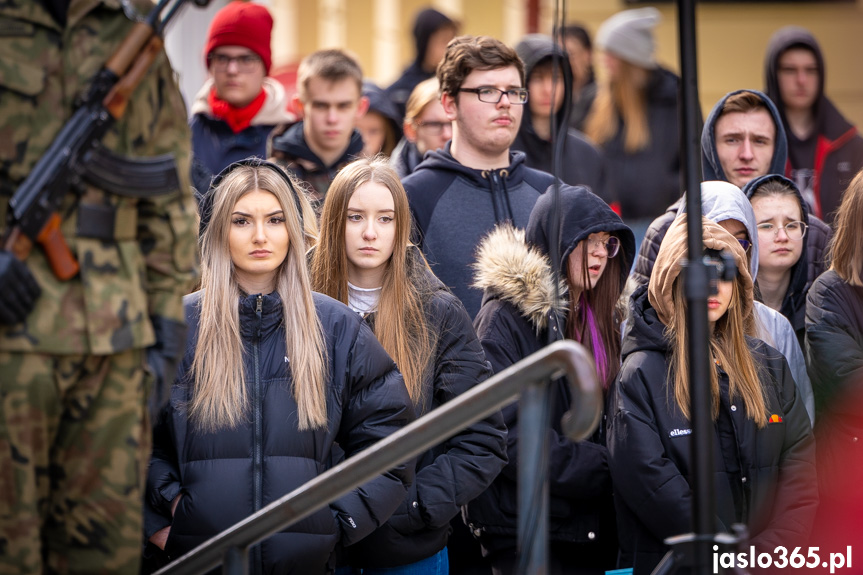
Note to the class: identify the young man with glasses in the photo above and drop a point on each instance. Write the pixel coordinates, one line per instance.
(237, 108)
(458, 194)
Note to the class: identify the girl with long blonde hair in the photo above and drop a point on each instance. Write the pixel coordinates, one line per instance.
(764, 464)
(272, 377)
(365, 259)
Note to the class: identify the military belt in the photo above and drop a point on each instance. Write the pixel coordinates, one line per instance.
(108, 223)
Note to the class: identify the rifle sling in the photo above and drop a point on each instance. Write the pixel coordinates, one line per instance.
(140, 178)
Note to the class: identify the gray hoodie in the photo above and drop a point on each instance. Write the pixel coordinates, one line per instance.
(724, 201)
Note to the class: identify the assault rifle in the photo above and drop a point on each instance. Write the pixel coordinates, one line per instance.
(34, 205)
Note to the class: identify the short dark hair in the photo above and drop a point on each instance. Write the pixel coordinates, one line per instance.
(465, 54)
(577, 32)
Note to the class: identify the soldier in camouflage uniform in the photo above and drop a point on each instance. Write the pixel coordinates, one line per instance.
(74, 373)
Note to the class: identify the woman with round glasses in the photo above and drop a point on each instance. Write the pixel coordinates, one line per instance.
(526, 305)
(426, 127)
(782, 219)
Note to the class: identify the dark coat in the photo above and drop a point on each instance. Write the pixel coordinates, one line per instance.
(764, 478)
(834, 352)
(518, 317)
(646, 181)
(227, 475)
(453, 473)
(454, 206)
(834, 346)
(838, 145)
(291, 151)
(581, 163)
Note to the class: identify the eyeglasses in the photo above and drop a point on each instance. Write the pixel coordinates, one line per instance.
(491, 95)
(611, 246)
(434, 128)
(245, 63)
(794, 230)
(745, 244)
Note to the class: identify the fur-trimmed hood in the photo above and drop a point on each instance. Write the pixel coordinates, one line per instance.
(515, 266)
(508, 268)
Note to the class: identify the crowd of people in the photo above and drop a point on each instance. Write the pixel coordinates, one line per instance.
(304, 287)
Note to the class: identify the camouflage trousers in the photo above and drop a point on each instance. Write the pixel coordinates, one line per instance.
(74, 445)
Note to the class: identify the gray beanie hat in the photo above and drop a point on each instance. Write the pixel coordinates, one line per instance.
(629, 36)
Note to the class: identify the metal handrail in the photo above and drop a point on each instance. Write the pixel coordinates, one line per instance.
(562, 358)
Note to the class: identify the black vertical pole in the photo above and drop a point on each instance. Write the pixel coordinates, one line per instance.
(696, 299)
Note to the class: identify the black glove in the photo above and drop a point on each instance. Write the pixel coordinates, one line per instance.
(162, 359)
(18, 289)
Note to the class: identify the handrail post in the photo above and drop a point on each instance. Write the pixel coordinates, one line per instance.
(236, 561)
(562, 358)
(533, 421)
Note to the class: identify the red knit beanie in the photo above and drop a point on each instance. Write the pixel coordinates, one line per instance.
(242, 24)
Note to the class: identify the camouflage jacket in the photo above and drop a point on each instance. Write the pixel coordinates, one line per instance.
(152, 260)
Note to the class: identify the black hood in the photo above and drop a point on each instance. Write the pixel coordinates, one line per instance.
(800, 271)
(533, 50)
(581, 213)
(828, 120)
(442, 159)
(710, 159)
(427, 23)
(379, 102)
(643, 331)
(293, 143)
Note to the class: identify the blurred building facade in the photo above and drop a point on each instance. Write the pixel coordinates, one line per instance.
(732, 36)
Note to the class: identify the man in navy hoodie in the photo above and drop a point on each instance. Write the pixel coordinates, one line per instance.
(459, 193)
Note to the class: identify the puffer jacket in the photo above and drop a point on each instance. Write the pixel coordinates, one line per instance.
(763, 477)
(838, 148)
(834, 348)
(834, 336)
(454, 472)
(454, 206)
(227, 475)
(519, 316)
(812, 262)
(216, 145)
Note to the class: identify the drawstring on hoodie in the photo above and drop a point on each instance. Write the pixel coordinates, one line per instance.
(499, 194)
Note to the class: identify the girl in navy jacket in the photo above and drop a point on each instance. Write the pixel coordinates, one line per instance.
(273, 376)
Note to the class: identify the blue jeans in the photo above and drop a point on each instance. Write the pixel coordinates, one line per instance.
(437, 564)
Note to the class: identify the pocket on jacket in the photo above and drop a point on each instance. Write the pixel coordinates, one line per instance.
(407, 518)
